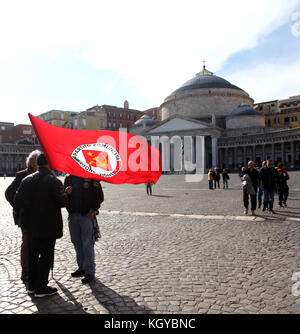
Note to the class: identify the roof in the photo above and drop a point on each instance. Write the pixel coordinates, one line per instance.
(244, 110)
(205, 79)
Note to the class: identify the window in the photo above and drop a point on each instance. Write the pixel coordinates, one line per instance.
(101, 123)
(294, 119)
(109, 124)
(269, 122)
(76, 123)
(62, 116)
(84, 122)
(286, 120)
(114, 124)
(120, 115)
(276, 120)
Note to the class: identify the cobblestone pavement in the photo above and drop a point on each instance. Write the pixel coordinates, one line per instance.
(186, 249)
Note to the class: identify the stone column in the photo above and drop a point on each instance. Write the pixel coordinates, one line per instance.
(292, 155)
(273, 153)
(245, 156)
(263, 152)
(235, 157)
(282, 152)
(214, 152)
(226, 157)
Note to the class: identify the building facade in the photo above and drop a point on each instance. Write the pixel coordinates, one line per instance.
(234, 130)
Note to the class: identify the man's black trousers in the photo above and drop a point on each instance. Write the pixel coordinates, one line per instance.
(41, 258)
(252, 198)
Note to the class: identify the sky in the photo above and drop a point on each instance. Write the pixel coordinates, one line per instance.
(72, 55)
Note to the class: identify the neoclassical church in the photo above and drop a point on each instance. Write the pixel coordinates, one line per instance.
(234, 132)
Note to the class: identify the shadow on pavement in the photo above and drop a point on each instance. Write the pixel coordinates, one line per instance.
(115, 303)
(57, 305)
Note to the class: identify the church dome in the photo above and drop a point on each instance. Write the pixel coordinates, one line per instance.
(244, 110)
(204, 95)
(245, 116)
(205, 79)
(145, 120)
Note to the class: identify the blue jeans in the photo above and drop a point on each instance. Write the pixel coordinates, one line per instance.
(81, 232)
(269, 198)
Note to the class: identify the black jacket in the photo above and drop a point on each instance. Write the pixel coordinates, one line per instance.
(254, 176)
(39, 200)
(269, 177)
(86, 195)
(11, 190)
(13, 187)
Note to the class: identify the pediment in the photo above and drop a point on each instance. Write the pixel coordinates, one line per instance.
(178, 124)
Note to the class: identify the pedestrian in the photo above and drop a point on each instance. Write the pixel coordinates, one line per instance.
(260, 191)
(149, 188)
(210, 179)
(283, 188)
(225, 178)
(85, 197)
(269, 179)
(31, 163)
(40, 197)
(251, 182)
(242, 172)
(217, 177)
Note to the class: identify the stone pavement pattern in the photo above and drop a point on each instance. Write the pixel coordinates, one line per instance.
(186, 249)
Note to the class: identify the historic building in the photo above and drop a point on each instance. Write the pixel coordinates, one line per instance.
(282, 114)
(234, 131)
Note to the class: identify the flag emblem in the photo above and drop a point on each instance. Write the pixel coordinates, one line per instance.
(99, 158)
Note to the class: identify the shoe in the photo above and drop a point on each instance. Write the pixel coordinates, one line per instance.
(285, 205)
(280, 204)
(246, 211)
(78, 273)
(87, 278)
(264, 208)
(253, 213)
(48, 291)
(272, 211)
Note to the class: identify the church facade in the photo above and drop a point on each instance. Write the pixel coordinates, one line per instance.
(222, 114)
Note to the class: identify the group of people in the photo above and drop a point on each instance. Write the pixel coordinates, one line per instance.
(37, 197)
(214, 176)
(261, 185)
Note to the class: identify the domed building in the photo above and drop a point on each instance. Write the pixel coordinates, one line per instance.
(204, 95)
(210, 122)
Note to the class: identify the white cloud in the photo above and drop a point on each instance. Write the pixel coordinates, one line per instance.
(157, 45)
(269, 81)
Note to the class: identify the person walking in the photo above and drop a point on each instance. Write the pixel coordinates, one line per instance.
(260, 191)
(40, 197)
(283, 188)
(225, 178)
(85, 197)
(149, 188)
(251, 182)
(10, 192)
(216, 175)
(269, 179)
(210, 178)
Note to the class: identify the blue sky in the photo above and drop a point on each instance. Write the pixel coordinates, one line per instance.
(72, 55)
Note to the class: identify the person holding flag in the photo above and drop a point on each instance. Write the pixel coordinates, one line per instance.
(85, 197)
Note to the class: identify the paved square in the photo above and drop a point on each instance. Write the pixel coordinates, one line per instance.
(186, 249)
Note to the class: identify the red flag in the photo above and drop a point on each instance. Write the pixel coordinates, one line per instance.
(110, 156)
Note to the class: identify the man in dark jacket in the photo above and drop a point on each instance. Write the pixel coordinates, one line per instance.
(10, 194)
(85, 198)
(40, 198)
(254, 181)
(269, 179)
